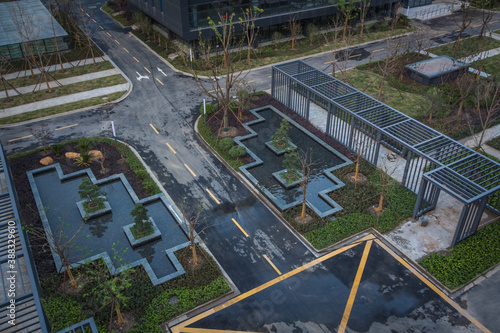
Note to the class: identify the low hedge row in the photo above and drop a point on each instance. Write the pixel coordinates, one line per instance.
(467, 259)
(211, 139)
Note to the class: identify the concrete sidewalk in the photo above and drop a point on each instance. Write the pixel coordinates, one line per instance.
(54, 84)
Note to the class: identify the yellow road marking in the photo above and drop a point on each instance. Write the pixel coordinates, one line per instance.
(108, 34)
(251, 81)
(355, 55)
(81, 9)
(189, 169)
(214, 90)
(94, 21)
(354, 289)
(181, 327)
(157, 79)
(493, 21)
(147, 70)
(239, 226)
(172, 149)
(475, 26)
(136, 59)
(440, 34)
(126, 50)
(457, 30)
(208, 330)
(271, 263)
(117, 42)
(270, 76)
(87, 14)
(213, 196)
(154, 128)
(378, 50)
(23, 137)
(433, 287)
(101, 27)
(60, 128)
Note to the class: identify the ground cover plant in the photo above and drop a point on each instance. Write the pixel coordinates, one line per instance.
(495, 143)
(199, 285)
(467, 47)
(466, 260)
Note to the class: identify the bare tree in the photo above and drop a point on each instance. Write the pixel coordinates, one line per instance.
(306, 162)
(348, 11)
(295, 28)
(42, 134)
(230, 44)
(486, 17)
(247, 21)
(364, 6)
(464, 20)
(385, 177)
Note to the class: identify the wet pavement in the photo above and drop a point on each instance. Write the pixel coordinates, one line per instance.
(362, 287)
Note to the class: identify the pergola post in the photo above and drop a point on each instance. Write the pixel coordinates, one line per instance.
(469, 220)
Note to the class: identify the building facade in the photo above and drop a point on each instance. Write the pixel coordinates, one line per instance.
(183, 18)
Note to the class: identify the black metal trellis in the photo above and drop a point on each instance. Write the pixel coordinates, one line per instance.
(434, 162)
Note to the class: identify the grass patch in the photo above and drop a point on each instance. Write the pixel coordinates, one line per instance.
(355, 217)
(120, 18)
(211, 139)
(495, 143)
(411, 104)
(467, 259)
(490, 65)
(466, 47)
(58, 75)
(164, 47)
(60, 108)
(268, 55)
(64, 90)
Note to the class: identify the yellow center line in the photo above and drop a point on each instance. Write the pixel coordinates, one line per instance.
(354, 289)
(172, 149)
(81, 9)
(60, 128)
(147, 70)
(136, 59)
(213, 196)
(23, 137)
(434, 288)
(180, 328)
(94, 21)
(239, 226)
(154, 128)
(475, 26)
(378, 50)
(270, 76)
(87, 14)
(251, 81)
(117, 42)
(101, 27)
(355, 55)
(271, 263)
(440, 34)
(213, 90)
(493, 21)
(157, 79)
(189, 169)
(457, 30)
(126, 50)
(108, 34)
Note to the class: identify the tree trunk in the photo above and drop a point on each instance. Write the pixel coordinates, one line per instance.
(195, 258)
(74, 284)
(362, 28)
(121, 321)
(248, 52)
(334, 63)
(226, 119)
(356, 173)
(381, 201)
(460, 108)
(458, 41)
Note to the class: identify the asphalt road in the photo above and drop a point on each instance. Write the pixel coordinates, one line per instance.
(158, 119)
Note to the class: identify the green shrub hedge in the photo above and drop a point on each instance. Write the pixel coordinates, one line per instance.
(467, 259)
(62, 311)
(211, 139)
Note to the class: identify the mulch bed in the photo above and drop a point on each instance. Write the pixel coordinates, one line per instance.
(27, 206)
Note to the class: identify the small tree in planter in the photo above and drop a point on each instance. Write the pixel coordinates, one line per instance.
(292, 165)
(142, 225)
(281, 139)
(92, 194)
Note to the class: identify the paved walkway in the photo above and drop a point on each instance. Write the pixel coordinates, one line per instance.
(436, 9)
(54, 84)
(63, 100)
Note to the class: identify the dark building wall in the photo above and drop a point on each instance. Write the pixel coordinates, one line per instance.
(183, 17)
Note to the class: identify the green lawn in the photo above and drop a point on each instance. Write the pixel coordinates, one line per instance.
(58, 75)
(412, 104)
(495, 143)
(64, 90)
(490, 65)
(60, 108)
(467, 47)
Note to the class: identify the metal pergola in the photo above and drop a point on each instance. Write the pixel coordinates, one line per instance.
(434, 162)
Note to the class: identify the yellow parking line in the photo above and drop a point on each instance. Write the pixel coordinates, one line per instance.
(354, 289)
(136, 59)
(108, 34)
(126, 50)
(23, 137)
(182, 326)
(239, 226)
(433, 287)
(147, 70)
(154, 128)
(271, 263)
(157, 79)
(189, 169)
(172, 149)
(213, 196)
(378, 50)
(60, 128)
(117, 42)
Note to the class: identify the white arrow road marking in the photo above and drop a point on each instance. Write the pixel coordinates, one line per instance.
(140, 77)
(161, 71)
